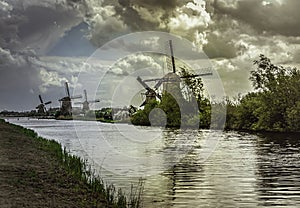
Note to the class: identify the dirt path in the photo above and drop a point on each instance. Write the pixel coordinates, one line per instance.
(30, 177)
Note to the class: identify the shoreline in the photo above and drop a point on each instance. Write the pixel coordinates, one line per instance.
(226, 129)
(37, 172)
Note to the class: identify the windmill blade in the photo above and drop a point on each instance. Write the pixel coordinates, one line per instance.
(76, 97)
(47, 103)
(172, 56)
(94, 101)
(152, 80)
(85, 95)
(143, 83)
(144, 103)
(208, 73)
(157, 85)
(67, 89)
(197, 75)
(78, 103)
(158, 95)
(149, 90)
(153, 92)
(40, 97)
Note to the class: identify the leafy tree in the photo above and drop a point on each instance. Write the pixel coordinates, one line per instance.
(172, 110)
(293, 117)
(198, 103)
(275, 105)
(248, 112)
(141, 117)
(195, 84)
(281, 87)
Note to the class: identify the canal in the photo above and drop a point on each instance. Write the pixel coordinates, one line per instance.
(185, 168)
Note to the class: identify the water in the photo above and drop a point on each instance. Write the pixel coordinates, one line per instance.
(186, 168)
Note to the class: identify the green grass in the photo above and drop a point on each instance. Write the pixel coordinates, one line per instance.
(79, 169)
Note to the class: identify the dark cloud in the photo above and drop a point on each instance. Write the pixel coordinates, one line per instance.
(44, 26)
(219, 47)
(132, 18)
(164, 4)
(185, 18)
(27, 30)
(74, 43)
(36, 25)
(18, 79)
(271, 16)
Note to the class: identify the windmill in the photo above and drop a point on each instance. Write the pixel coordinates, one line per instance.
(86, 103)
(172, 78)
(42, 106)
(171, 81)
(66, 102)
(151, 93)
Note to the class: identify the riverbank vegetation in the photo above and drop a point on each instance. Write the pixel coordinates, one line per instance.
(274, 105)
(61, 171)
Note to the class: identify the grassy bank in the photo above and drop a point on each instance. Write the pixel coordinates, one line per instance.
(36, 172)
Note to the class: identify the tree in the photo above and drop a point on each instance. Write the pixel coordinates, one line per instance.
(275, 104)
(197, 102)
(141, 117)
(172, 110)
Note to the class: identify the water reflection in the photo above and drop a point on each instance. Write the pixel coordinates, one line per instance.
(278, 175)
(183, 180)
(243, 171)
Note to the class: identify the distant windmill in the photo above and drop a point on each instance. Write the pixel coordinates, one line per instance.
(171, 80)
(66, 102)
(42, 106)
(86, 103)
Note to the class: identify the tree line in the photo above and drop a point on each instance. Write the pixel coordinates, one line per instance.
(274, 105)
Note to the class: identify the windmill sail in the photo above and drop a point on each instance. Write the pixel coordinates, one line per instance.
(42, 106)
(86, 103)
(67, 89)
(150, 93)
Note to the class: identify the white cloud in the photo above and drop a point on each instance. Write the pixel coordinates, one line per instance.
(135, 62)
(5, 57)
(50, 79)
(5, 9)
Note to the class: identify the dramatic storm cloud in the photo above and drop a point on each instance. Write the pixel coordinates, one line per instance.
(41, 40)
(29, 29)
(278, 17)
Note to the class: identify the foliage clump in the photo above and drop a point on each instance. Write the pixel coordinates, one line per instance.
(274, 106)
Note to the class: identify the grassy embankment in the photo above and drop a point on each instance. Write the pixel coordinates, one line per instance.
(36, 172)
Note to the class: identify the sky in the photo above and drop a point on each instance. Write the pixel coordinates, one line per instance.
(103, 45)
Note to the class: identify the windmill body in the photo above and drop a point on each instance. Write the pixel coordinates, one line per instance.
(171, 85)
(42, 106)
(66, 106)
(66, 102)
(41, 109)
(86, 103)
(85, 106)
